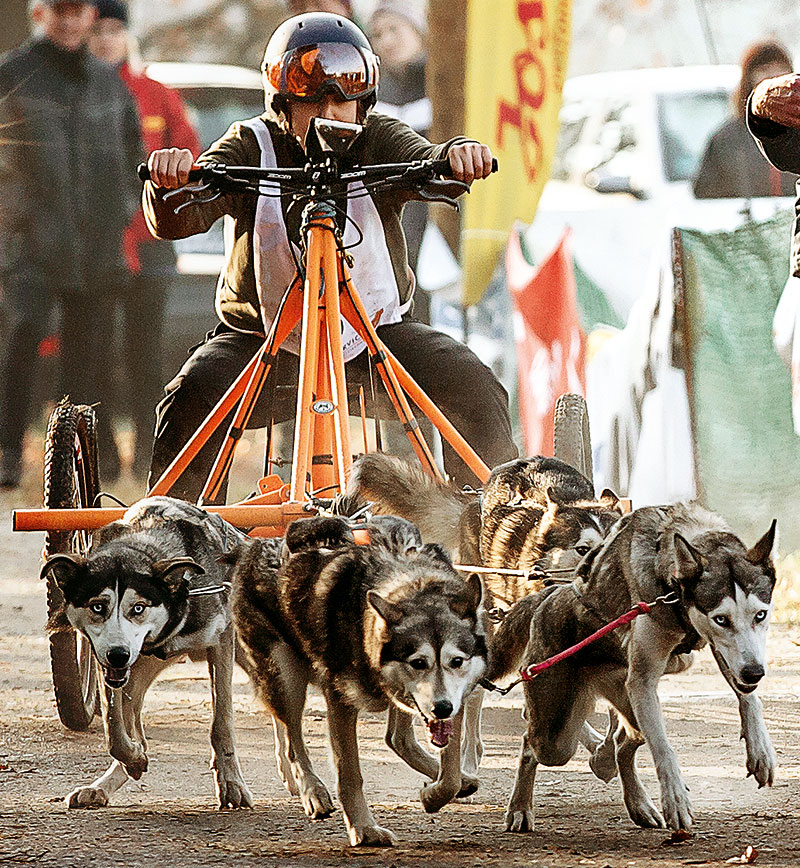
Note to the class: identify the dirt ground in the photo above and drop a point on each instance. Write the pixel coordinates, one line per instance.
(169, 817)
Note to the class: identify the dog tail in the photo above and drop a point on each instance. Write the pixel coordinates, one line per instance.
(507, 647)
(397, 487)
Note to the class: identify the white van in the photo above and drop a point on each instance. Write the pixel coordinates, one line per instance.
(629, 145)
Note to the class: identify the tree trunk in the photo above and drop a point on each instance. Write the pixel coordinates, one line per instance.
(447, 41)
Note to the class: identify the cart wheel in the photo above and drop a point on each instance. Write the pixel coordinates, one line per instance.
(70, 480)
(571, 441)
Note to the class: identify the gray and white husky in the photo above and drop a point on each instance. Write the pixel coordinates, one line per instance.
(533, 512)
(150, 592)
(723, 598)
(389, 625)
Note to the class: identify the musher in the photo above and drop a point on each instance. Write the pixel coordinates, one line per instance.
(315, 65)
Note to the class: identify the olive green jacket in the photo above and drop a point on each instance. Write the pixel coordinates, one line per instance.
(384, 140)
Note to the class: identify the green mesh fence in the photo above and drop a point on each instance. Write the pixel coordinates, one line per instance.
(747, 456)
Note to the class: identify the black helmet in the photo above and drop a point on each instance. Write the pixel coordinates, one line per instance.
(317, 53)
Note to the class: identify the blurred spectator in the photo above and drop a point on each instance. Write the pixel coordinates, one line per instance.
(398, 30)
(732, 165)
(337, 7)
(164, 124)
(67, 190)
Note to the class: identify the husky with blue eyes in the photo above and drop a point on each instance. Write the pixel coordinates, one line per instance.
(152, 591)
(388, 625)
(719, 593)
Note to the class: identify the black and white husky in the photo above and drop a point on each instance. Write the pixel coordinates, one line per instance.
(150, 592)
(721, 596)
(389, 625)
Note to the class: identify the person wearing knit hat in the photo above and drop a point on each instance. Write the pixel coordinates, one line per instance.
(415, 12)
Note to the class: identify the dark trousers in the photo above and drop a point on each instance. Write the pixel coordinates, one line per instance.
(26, 309)
(142, 341)
(86, 357)
(463, 388)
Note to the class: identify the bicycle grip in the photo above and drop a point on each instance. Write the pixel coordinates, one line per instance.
(442, 167)
(195, 173)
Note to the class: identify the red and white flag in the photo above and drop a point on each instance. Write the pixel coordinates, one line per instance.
(550, 342)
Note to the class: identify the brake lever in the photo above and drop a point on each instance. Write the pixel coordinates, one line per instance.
(198, 200)
(433, 191)
(198, 188)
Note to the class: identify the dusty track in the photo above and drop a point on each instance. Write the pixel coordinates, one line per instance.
(169, 818)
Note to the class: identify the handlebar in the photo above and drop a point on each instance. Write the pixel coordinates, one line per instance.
(432, 168)
(432, 179)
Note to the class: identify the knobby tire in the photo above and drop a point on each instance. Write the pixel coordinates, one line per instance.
(571, 440)
(71, 479)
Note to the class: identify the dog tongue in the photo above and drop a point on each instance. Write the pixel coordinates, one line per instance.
(115, 676)
(440, 732)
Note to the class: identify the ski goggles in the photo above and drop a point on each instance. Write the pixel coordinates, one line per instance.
(307, 73)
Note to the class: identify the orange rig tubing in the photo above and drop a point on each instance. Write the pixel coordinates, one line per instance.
(307, 381)
(239, 515)
(446, 428)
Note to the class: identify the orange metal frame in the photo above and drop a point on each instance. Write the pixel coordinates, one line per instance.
(322, 453)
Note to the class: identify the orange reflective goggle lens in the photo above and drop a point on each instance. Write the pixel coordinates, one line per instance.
(307, 73)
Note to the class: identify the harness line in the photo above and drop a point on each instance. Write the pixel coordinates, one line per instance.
(528, 673)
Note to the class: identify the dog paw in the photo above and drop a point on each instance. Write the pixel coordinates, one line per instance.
(676, 805)
(317, 801)
(603, 762)
(469, 786)
(762, 762)
(644, 813)
(370, 836)
(233, 793)
(87, 797)
(435, 796)
(519, 821)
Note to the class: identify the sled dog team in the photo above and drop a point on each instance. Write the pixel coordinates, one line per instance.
(392, 625)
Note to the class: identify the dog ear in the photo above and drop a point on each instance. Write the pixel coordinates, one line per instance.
(466, 604)
(64, 567)
(555, 497)
(390, 613)
(475, 586)
(688, 561)
(610, 500)
(761, 553)
(173, 572)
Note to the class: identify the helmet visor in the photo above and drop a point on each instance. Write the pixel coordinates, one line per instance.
(308, 72)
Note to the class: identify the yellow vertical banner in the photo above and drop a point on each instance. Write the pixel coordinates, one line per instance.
(515, 67)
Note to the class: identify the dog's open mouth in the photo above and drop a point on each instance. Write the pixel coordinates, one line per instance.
(116, 677)
(440, 732)
(745, 688)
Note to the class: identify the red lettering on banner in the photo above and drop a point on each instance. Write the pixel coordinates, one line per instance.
(530, 78)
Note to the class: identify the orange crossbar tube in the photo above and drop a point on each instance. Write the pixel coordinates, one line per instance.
(446, 428)
(239, 515)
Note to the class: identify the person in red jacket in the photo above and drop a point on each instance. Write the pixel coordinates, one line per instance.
(164, 124)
